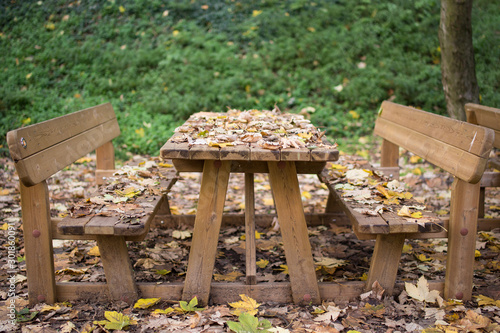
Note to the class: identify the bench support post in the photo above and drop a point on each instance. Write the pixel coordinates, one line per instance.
(37, 229)
(385, 261)
(105, 161)
(117, 268)
(461, 240)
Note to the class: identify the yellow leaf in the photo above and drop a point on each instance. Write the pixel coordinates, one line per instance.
(311, 29)
(404, 211)
(83, 160)
(228, 277)
(268, 201)
(256, 13)
(423, 258)
(306, 136)
(26, 121)
(415, 159)
(337, 167)
(166, 311)
(121, 9)
(116, 321)
(306, 195)
(421, 292)
(354, 114)
(407, 248)
(416, 215)
(128, 192)
(262, 263)
(48, 308)
(247, 304)
(140, 132)
(145, 303)
(5, 226)
(364, 277)
(204, 7)
(417, 171)
(175, 210)
(77, 95)
(284, 269)
(165, 165)
(50, 26)
(94, 251)
(162, 272)
(483, 300)
(477, 254)
(178, 234)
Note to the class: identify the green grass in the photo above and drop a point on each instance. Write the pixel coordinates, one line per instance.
(158, 62)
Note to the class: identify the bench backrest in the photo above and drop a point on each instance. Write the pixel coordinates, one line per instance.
(455, 146)
(42, 149)
(484, 116)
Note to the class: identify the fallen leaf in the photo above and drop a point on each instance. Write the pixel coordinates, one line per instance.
(145, 303)
(116, 321)
(247, 304)
(421, 292)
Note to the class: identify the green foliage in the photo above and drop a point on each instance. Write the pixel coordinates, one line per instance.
(158, 62)
(191, 306)
(25, 315)
(249, 324)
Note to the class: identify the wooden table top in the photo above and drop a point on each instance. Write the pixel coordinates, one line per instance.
(252, 135)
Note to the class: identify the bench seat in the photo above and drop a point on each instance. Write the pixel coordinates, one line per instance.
(124, 205)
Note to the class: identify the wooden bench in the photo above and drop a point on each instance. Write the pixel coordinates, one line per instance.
(41, 150)
(459, 148)
(487, 117)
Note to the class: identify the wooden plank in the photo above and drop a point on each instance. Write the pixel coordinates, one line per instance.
(462, 231)
(491, 179)
(325, 153)
(202, 152)
(46, 134)
(73, 226)
(459, 134)
(250, 257)
(295, 154)
(458, 162)
(173, 151)
(389, 155)
(117, 268)
(285, 186)
(38, 243)
(235, 153)
(258, 153)
(206, 230)
(385, 261)
(222, 293)
(43, 164)
(484, 116)
(105, 161)
(101, 225)
(248, 166)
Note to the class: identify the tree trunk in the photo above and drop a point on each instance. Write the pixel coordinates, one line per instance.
(457, 56)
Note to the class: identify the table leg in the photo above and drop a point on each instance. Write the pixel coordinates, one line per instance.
(206, 230)
(251, 269)
(285, 185)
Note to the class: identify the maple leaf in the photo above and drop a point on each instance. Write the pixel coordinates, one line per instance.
(161, 311)
(145, 303)
(247, 304)
(115, 321)
(249, 324)
(421, 292)
(181, 234)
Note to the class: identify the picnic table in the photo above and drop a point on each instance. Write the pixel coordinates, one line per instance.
(280, 144)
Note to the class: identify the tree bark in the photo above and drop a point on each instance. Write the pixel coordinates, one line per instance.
(457, 56)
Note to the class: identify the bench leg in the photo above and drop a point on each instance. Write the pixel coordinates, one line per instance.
(37, 230)
(285, 185)
(117, 268)
(462, 231)
(206, 230)
(385, 261)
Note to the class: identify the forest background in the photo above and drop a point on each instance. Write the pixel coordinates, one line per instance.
(157, 62)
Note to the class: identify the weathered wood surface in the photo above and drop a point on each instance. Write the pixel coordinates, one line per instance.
(484, 116)
(222, 293)
(458, 147)
(42, 149)
(250, 251)
(250, 152)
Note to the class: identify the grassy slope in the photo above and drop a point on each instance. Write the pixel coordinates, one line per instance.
(159, 61)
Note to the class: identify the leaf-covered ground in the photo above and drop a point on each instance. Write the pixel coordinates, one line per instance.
(338, 254)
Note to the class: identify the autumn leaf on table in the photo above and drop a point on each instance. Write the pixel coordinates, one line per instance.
(115, 321)
(247, 304)
(421, 292)
(145, 303)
